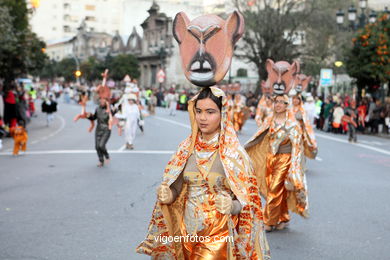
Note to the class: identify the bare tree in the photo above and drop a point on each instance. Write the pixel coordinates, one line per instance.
(287, 30)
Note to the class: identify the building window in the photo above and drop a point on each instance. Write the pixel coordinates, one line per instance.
(92, 29)
(66, 17)
(242, 73)
(66, 6)
(54, 28)
(66, 28)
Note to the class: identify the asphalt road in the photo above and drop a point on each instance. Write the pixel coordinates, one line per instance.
(56, 204)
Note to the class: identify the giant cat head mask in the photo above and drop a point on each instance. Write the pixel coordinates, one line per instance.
(206, 45)
(281, 75)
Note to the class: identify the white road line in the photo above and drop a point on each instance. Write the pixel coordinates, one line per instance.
(318, 159)
(63, 123)
(317, 134)
(92, 152)
(370, 142)
(172, 122)
(122, 148)
(356, 144)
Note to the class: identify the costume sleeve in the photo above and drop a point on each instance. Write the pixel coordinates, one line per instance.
(93, 116)
(295, 172)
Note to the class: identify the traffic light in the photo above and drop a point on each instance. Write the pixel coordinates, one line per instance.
(77, 73)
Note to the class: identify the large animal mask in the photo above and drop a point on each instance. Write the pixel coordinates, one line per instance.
(281, 75)
(302, 81)
(206, 45)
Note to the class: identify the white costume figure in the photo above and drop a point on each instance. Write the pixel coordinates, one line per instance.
(131, 115)
(171, 100)
(310, 109)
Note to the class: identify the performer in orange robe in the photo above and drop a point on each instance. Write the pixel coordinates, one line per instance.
(240, 112)
(264, 107)
(309, 142)
(20, 136)
(276, 152)
(209, 190)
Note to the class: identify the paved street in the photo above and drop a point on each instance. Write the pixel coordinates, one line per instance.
(56, 204)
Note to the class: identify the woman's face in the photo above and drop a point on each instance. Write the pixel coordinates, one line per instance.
(207, 116)
(280, 105)
(296, 101)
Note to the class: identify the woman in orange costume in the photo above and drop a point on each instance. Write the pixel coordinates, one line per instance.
(276, 153)
(309, 142)
(264, 107)
(19, 133)
(208, 191)
(240, 112)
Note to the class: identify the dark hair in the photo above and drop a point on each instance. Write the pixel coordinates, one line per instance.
(207, 93)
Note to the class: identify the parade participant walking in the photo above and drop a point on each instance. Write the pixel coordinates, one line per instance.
(131, 114)
(49, 106)
(171, 100)
(264, 107)
(20, 136)
(102, 132)
(276, 152)
(240, 112)
(308, 139)
(208, 187)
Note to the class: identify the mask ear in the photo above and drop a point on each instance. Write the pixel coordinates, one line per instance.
(295, 67)
(306, 82)
(235, 26)
(179, 28)
(269, 64)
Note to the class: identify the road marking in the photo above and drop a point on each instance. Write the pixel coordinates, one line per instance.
(93, 152)
(122, 148)
(356, 144)
(319, 159)
(63, 123)
(317, 134)
(173, 122)
(370, 142)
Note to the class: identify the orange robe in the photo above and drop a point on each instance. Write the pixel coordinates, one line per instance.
(248, 238)
(262, 111)
(279, 175)
(308, 139)
(20, 139)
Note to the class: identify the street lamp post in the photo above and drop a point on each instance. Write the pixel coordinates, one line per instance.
(77, 68)
(357, 21)
(162, 53)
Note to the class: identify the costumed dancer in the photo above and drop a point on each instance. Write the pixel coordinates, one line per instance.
(103, 130)
(264, 107)
(49, 106)
(104, 117)
(20, 136)
(130, 115)
(276, 152)
(308, 139)
(208, 187)
(240, 112)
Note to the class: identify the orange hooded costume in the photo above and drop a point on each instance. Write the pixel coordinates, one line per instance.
(249, 241)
